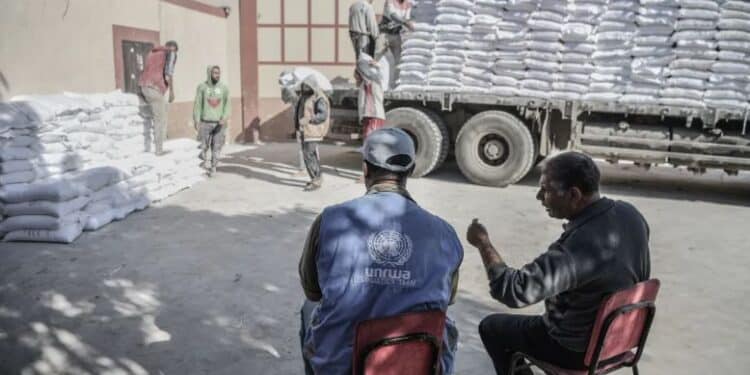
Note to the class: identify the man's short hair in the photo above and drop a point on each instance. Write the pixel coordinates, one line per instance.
(379, 173)
(172, 43)
(573, 169)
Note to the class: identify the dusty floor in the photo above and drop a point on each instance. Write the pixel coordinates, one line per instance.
(206, 282)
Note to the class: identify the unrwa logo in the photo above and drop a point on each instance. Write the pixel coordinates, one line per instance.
(389, 247)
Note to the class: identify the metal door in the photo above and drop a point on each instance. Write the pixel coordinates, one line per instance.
(134, 56)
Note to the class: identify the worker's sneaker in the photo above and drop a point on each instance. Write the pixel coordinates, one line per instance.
(313, 185)
(212, 171)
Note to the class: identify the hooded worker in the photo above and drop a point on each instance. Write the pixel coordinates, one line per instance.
(312, 121)
(211, 111)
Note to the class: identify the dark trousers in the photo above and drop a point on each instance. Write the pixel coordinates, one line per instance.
(312, 159)
(505, 334)
(212, 136)
(362, 43)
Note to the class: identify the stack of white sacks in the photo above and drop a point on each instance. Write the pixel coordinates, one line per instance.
(452, 34)
(695, 52)
(480, 57)
(690, 53)
(72, 162)
(418, 47)
(578, 47)
(509, 68)
(728, 86)
(652, 51)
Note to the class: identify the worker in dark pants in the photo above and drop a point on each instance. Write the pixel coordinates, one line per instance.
(211, 110)
(603, 249)
(363, 27)
(312, 121)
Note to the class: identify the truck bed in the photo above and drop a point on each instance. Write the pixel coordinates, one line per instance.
(345, 93)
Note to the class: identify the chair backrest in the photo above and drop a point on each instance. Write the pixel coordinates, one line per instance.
(403, 344)
(622, 323)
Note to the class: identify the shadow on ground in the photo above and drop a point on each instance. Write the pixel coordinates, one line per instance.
(149, 296)
(627, 180)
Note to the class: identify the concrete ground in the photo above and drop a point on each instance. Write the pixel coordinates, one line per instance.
(206, 282)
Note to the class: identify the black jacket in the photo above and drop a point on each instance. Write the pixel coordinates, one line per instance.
(602, 250)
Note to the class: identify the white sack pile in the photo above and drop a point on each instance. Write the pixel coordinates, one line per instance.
(73, 162)
(688, 53)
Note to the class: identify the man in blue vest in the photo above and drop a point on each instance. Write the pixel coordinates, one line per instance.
(376, 256)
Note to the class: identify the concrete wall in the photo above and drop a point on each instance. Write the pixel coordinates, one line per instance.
(51, 46)
(204, 40)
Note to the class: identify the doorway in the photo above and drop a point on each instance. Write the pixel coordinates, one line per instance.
(134, 57)
(131, 46)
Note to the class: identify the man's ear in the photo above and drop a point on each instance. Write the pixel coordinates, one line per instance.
(576, 195)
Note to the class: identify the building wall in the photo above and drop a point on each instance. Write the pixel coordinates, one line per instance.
(47, 47)
(51, 46)
(312, 33)
(203, 41)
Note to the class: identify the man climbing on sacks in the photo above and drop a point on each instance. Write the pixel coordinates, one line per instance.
(156, 79)
(363, 27)
(211, 110)
(376, 256)
(396, 21)
(312, 117)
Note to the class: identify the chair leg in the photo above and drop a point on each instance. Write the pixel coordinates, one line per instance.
(635, 369)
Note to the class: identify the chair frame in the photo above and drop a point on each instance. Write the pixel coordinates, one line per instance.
(389, 341)
(650, 308)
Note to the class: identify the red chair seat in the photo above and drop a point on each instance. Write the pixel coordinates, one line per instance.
(403, 344)
(622, 325)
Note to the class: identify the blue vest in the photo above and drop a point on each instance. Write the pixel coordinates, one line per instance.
(380, 255)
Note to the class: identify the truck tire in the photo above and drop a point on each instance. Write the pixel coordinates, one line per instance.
(495, 148)
(430, 135)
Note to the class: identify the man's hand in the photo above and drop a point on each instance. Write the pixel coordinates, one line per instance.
(222, 122)
(410, 25)
(171, 96)
(477, 234)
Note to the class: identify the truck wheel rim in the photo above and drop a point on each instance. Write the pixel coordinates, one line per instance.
(493, 149)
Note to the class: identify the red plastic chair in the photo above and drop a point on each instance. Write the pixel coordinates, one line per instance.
(403, 344)
(622, 325)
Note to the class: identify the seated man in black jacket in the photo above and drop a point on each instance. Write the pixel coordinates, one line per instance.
(603, 249)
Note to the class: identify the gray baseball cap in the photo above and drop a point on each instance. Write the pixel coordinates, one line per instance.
(389, 148)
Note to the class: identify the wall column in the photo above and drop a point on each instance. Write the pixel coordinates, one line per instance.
(249, 70)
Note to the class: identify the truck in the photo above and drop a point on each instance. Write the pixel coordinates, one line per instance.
(497, 140)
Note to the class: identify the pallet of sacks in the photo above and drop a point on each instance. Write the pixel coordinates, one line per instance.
(685, 53)
(72, 162)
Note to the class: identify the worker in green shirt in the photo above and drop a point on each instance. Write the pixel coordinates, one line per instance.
(211, 111)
